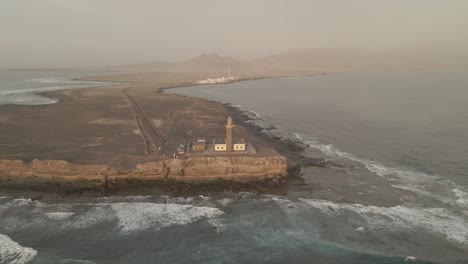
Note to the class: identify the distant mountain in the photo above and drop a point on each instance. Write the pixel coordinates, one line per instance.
(291, 62)
(303, 61)
(322, 58)
(216, 63)
(210, 62)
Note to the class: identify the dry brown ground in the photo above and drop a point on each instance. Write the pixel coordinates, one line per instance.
(119, 126)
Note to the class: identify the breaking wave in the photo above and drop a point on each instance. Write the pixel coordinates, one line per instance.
(438, 220)
(142, 216)
(398, 218)
(13, 253)
(462, 196)
(401, 178)
(130, 216)
(59, 215)
(405, 179)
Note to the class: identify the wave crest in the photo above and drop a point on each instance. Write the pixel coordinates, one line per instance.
(438, 220)
(13, 253)
(136, 217)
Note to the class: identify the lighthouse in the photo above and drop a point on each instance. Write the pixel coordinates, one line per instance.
(229, 144)
(229, 140)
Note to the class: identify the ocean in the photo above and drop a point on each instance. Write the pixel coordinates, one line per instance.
(394, 190)
(20, 86)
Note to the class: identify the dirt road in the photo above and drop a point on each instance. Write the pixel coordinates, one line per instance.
(154, 142)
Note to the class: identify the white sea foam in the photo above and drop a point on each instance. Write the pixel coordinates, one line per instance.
(418, 189)
(254, 114)
(96, 214)
(130, 216)
(250, 113)
(177, 200)
(360, 229)
(124, 198)
(406, 179)
(142, 216)
(13, 253)
(373, 166)
(59, 215)
(83, 215)
(435, 220)
(27, 202)
(23, 201)
(462, 196)
(224, 201)
(205, 198)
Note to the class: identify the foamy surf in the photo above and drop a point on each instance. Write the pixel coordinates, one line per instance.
(402, 178)
(129, 216)
(462, 196)
(137, 217)
(133, 198)
(224, 201)
(398, 218)
(250, 113)
(59, 215)
(410, 180)
(406, 179)
(13, 253)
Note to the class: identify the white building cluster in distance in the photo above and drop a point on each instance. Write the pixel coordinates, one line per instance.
(219, 80)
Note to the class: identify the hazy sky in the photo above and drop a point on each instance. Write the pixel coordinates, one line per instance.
(103, 32)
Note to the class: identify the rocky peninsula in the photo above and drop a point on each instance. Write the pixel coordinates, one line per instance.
(108, 136)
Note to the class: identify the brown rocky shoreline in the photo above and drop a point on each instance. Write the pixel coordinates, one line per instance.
(143, 174)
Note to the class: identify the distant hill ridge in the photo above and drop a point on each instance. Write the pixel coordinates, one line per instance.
(326, 59)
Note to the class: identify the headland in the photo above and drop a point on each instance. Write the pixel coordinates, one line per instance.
(110, 137)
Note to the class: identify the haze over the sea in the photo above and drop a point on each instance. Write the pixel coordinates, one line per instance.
(51, 33)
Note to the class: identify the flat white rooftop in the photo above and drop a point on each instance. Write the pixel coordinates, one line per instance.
(209, 151)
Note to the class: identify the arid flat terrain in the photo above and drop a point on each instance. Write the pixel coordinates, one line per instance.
(119, 126)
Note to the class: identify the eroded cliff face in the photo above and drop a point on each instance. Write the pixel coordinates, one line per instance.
(48, 167)
(243, 168)
(224, 167)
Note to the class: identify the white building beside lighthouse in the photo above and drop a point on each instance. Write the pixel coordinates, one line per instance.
(229, 144)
